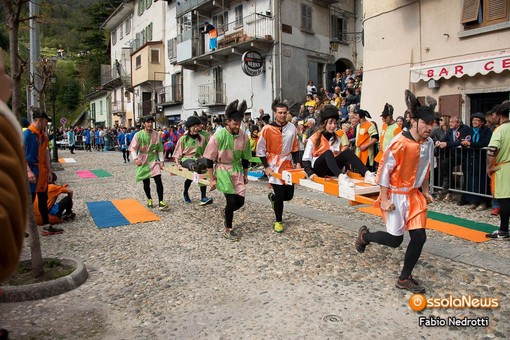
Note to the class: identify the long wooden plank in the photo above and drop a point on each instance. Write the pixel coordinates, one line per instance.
(199, 179)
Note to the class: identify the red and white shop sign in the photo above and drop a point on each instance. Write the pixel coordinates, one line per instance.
(483, 65)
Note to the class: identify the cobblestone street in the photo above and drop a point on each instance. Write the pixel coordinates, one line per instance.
(179, 278)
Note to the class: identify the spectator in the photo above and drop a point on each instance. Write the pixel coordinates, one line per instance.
(310, 88)
(400, 122)
(473, 165)
(451, 140)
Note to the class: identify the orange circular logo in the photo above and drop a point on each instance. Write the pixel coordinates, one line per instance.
(417, 302)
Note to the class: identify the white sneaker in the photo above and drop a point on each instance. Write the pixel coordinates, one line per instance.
(370, 178)
(344, 180)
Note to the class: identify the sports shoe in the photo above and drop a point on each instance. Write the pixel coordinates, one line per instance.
(206, 201)
(495, 211)
(360, 243)
(410, 284)
(278, 227)
(186, 198)
(270, 196)
(370, 178)
(448, 198)
(163, 206)
(149, 203)
(69, 217)
(482, 207)
(232, 235)
(498, 234)
(344, 180)
(51, 230)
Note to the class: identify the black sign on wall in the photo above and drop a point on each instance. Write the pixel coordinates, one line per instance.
(252, 63)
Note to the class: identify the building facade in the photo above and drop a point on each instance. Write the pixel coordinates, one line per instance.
(173, 71)
(455, 51)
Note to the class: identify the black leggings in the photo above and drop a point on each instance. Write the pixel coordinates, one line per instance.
(65, 204)
(329, 165)
(234, 202)
(281, 193)
(42, 202)
(187, 184)
(159, 187)
(125, 154)
(413, 252)
(504, 213)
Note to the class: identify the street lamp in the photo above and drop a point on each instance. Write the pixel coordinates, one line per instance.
(53, 80)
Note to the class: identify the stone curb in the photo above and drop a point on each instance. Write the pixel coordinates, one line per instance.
(41, 290)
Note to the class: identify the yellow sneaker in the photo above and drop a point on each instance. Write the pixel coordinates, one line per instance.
(278, 227)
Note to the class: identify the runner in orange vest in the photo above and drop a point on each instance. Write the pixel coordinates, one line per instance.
(389, 130)
(404, 169)
(366, 137)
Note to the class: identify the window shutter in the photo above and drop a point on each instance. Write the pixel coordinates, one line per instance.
(470, 11)
(450, 105)
(309, 18)
(496, 9)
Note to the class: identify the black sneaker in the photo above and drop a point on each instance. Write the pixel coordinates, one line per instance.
(232, 235)
(69, 217)
(51, 230)
(498, 234)
(270, 196)
(411, 285)
(360, 243)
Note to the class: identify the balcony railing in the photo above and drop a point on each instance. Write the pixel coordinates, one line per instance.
(171, 94)
(112, 77)
(211, 94)
(205, 6)
(118, 108)
(145, 108)
(254, 31)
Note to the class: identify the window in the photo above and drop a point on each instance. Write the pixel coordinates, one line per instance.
(143, 36)
(480, 13)
(114, 37)
(220, 21)
(93, 111)
(338, 28)
(154, 52)
(148, 3)
(127, 29)
(148, 32)
(239, 16)
(306, 18)
(121, 32)
(140, 6)
(172, 48)
(138, 61)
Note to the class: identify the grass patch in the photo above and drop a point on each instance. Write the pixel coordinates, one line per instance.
(53, 269)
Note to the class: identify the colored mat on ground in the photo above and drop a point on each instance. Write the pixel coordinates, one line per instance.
(451, 225)
(67, 160)
(93, 173)
(117, 213)
(101, 173)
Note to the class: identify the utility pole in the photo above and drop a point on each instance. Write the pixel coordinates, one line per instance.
(35, 53)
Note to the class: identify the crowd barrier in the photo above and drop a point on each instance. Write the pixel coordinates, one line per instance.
(461, 170)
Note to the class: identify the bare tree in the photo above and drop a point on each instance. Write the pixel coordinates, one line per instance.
(13, 10)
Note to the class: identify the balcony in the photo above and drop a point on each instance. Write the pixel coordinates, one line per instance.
(255, 32)
(212, 94)
(204, 6)
(145, 108)
(325, 3)
(118, 108)
(111, 79)
(170, 95)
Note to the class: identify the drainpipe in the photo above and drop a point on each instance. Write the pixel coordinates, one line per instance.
(280, 52)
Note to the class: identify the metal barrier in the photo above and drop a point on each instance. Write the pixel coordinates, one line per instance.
(461, 170)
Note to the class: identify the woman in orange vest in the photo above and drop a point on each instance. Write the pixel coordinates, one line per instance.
(327, 151)
(389, 130)
(366, 137)
(213, 35)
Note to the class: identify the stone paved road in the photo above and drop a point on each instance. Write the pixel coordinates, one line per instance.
(178, 278)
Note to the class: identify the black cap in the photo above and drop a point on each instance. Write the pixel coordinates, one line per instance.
(478, 115)
(265, 117)
(38, 113)
(426, 114)
(387, 111)
(192, 121)
(145, 119)
(329, 111)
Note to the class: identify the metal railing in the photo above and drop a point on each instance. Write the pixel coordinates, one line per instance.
(145, 108)
(118, 108)
(210, 94)
(109, 73)
(170, 94)
(461, 170)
